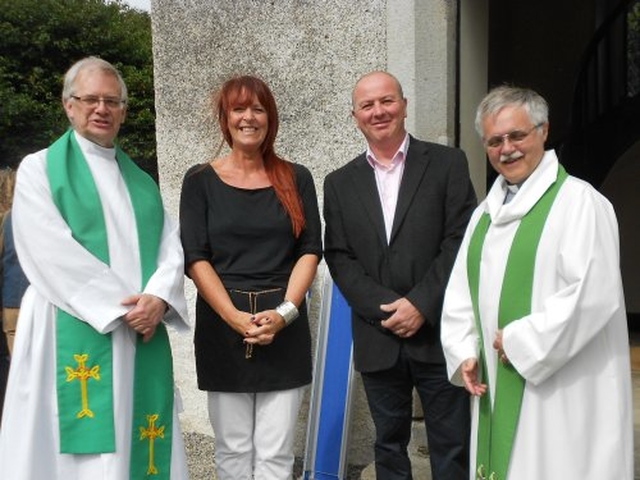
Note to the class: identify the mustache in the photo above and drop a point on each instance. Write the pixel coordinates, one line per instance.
(511, 156)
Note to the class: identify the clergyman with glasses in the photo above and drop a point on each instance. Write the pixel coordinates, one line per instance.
(91, 392)
(534, 323)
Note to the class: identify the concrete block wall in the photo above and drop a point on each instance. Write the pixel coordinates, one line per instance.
(310, 52)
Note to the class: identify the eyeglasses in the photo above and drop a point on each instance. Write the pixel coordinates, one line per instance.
(516, 136)
(91, 101)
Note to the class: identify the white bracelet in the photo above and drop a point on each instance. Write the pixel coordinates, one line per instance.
(288, 311)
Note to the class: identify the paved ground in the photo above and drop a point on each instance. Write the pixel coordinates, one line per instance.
(199, 436)
(200, 453)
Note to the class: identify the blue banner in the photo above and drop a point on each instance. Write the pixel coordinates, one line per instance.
(329, 414)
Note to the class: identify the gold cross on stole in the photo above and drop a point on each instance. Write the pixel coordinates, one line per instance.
(152, 432)
(83, 374)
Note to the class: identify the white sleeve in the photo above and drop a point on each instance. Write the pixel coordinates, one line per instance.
(579, 287)
(167, 282)
(458, 330)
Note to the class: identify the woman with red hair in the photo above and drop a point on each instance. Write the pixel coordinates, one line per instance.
(251, 235)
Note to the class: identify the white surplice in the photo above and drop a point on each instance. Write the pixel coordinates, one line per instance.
(573, 349)
(63, 273)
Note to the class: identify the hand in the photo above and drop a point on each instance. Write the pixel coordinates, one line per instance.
(240, 321)
(405, 319)
(469, 370)
(146, 314)
(264, 326)
(497, 345)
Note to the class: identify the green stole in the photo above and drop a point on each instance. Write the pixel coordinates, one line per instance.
(84, 356)
(497, 428)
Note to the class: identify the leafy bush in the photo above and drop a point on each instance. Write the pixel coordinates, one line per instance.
(40, 40)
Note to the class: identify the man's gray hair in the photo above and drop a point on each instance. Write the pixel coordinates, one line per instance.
(90, 63)
(506, 96)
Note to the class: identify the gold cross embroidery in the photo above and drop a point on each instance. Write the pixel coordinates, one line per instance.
(152, 432)
(83, 374)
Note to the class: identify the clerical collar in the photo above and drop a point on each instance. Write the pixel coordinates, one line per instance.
(512, 189)
(89, 146)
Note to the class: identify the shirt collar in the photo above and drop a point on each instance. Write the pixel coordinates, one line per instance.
(398, 158)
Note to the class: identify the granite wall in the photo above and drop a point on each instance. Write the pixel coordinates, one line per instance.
(311, 53)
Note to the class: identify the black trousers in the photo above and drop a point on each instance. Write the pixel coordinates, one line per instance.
(446, 412)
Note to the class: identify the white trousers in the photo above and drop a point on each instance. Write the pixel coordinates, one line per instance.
(254, 433)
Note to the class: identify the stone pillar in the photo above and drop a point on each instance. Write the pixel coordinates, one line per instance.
(421, 53)
(310, 53)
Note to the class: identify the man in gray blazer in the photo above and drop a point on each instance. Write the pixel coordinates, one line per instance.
(395, 216)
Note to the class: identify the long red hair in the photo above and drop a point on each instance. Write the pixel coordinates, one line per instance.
(239, 91)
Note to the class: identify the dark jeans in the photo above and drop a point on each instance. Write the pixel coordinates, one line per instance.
(4, 369)
(446, 412)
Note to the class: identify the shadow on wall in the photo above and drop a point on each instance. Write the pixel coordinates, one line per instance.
(621, 188)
